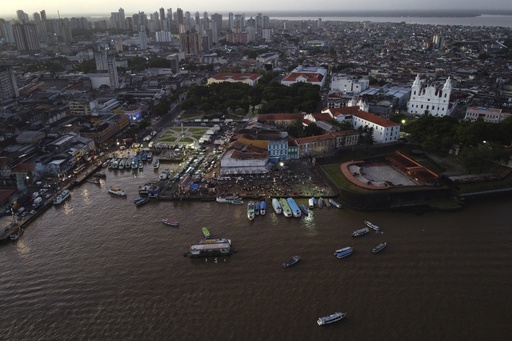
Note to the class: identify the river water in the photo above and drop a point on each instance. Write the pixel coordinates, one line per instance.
(100, 268)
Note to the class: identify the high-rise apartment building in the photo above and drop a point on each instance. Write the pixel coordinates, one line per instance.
(26, 37)
(191, 42)
(8, 85)
(217, 20)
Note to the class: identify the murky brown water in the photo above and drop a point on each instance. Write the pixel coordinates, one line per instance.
(100, 268)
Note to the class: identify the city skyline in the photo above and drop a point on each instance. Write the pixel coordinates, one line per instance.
(94, 7)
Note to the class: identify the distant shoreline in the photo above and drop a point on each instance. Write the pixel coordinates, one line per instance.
(329, 13)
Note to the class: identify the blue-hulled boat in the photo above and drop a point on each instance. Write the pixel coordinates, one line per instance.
(294, 207)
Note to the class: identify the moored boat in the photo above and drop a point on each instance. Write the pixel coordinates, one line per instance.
(59, 199)
(337, 316)
(327, 203)
(170, 222)
(343, 252)
(236, 202)
(257, 208)
(379, 247)
(223, 199)
(294, 207)
(334, 203)
(360, 232)
(263, 207)
(311, 203)
(276, 206)
(320, 202)
(372, 226)
(250, 210)
(304, 209)
(206, 233)
(156, 163)
(293, 261)
(287, 211)
(116, 190)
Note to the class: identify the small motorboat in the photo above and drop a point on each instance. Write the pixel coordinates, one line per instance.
(206, 233)
(116, 191)
(360, 232)
(293, 261)
(170, 222)
(379, 247)
(140, 201)
(337, 316)
(334, 203)
(344, 252)
(304, 209)
(372, 225)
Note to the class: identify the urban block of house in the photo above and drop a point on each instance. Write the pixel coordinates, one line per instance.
(312, 75)
(492, 115)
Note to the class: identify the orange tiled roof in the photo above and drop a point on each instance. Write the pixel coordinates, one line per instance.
(375, 119)
(310, 77)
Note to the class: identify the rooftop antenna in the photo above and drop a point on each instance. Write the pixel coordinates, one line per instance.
(58, 14)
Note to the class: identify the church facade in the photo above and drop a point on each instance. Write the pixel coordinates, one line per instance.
(430, 99)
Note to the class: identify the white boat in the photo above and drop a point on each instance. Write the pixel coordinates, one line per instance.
(337, 316)
(311, 203)
(360, 232)
(379, 247)
(320, 202)
(334, 203)
(327, 203)
(117, 191)
(227, 199)
(59, 199)
(250, 210)
(296, 212)
(277, 206)
(372, 226)
(165, 174)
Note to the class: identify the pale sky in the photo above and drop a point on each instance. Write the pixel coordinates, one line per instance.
(8, 8)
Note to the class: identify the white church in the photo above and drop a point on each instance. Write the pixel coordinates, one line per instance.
(432, 99)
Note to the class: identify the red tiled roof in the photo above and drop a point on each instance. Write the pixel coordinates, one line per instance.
(375, 119)
(322, 117)
(342, 111)
(310, 77)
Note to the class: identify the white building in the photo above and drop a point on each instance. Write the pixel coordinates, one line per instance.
(345, 84)
(430, 98)
(233, 77)
(384, 130)
(492, 115)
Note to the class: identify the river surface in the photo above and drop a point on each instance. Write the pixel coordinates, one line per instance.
(99, 268)
(481, 20)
